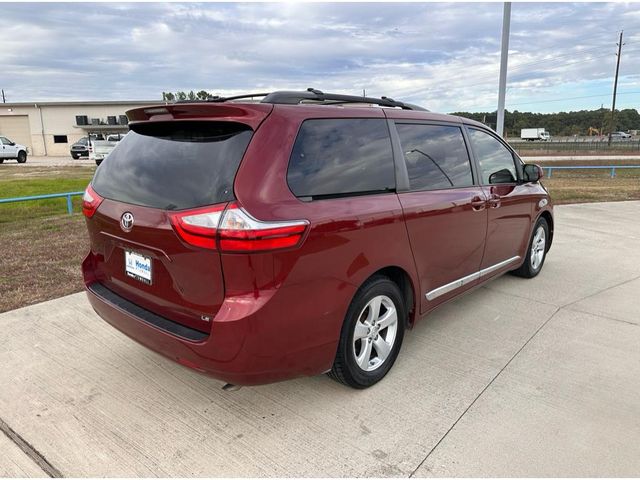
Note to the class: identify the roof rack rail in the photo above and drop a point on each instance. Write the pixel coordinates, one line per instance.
(312, 95)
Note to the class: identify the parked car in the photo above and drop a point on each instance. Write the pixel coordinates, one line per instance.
(257, 242)
(80, 148)
(12, 150)
(620, 135)
(99, 149)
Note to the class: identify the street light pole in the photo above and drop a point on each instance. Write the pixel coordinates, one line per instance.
(502, 87)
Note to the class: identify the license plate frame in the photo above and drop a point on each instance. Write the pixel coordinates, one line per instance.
(138, 267)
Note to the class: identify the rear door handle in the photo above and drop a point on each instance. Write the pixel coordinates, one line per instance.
(494, 201)
(478, 203)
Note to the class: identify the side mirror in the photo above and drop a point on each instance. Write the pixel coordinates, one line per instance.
(12, 143)
(501, 176)
(532, 172)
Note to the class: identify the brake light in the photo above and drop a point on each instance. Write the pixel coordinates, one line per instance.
(90, 202)
(234, 230)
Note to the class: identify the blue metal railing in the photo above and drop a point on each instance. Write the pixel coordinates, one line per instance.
(68, 196)
(549, 170)
(612, 168)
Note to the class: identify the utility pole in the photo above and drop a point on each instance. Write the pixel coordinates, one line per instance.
(4, 100)
(502, 87)
(615, 88)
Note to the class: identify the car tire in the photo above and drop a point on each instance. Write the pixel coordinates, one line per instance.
(22, 157)
(371, 335)
(537, 251)
(75, 157)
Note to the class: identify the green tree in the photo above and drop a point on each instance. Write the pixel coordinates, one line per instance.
(561, 123)
(203, 95)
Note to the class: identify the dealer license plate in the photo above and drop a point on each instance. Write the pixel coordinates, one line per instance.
(137, 266)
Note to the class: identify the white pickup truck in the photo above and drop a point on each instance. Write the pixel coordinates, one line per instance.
(9, 149)
(99, 149)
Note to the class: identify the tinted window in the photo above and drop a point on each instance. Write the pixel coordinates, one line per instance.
(174, 165)
(436, 156)
(496, 161)
(341, 156)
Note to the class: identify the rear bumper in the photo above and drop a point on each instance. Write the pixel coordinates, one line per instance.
(244, 346)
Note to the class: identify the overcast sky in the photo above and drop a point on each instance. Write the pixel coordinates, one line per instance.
(443, 56)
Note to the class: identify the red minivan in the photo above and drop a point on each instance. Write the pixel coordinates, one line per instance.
(303, 234)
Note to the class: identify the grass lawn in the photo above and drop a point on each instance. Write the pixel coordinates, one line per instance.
(40, 259)
(43, 247)
(579, 186)
(23, 182)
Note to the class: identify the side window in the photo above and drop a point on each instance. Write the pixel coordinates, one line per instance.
(436, 156)
(496, 161)
(4, 141)
(335, 157)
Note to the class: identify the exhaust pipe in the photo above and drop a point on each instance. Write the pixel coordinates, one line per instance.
(230, 387)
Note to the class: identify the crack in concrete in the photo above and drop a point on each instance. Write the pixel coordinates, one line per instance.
(30, 451)
(558, 309)
(484, 390)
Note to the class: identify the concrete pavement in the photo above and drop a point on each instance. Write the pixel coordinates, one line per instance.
(49, 161)
(519, 378)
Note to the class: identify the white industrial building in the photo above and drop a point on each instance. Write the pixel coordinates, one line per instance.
(50, 128)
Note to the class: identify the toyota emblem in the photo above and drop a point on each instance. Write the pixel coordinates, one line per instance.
(126, 221)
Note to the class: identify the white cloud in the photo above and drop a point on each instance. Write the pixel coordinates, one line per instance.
(444, 56)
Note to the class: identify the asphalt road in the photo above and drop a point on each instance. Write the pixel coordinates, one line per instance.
(519, 378)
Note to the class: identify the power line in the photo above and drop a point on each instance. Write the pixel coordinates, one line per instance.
(560, 65)
(563, 99)
(518, 67)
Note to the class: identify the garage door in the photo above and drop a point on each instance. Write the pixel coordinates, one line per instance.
(16, 128)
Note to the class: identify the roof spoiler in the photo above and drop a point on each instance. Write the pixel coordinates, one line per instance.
(249, 114)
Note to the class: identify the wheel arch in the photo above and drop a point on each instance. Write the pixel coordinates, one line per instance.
(546, 214)
(401, 278)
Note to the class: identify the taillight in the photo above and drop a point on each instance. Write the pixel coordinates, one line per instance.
(240, 232)
(198, 227)
(90, 202)
(234, 230)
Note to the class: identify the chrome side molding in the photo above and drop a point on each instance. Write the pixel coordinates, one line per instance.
(433, 294)
(498, 266)
(452, 286)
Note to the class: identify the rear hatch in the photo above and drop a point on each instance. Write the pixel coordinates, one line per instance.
(158, 169)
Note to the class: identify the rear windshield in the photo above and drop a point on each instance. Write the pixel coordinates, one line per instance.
(174, 165)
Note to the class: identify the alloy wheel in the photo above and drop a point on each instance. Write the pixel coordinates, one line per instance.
(375, 333)
(538, 248)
